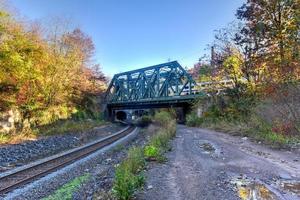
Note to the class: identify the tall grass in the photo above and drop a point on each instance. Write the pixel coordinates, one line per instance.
(159, 143)
(255, 127)
(66, 126)
(57, 128)
(128, 175)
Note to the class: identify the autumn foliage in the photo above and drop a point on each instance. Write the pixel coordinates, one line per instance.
(46, 76)
(260, 53)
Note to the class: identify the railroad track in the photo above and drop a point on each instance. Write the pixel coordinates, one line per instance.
(24, 176)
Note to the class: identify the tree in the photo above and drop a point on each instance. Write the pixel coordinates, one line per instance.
(272, 27)
(47, 77)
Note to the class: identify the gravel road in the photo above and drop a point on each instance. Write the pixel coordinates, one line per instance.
(210, 165)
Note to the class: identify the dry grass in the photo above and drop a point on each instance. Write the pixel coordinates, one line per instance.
(62, 127)
(17, 138)
(70, 126)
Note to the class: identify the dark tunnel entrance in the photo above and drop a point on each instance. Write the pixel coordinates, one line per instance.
(121, 115)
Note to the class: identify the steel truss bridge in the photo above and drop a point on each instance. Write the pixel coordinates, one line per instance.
(158, 86)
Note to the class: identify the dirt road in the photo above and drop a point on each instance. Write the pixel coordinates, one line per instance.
(209, 165)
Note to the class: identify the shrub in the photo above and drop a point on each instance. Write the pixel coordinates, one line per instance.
(135, 161)
(193, 120)
(171, 129)
(4, 138)
(160, 140)
(261, 130)
(145, 120)
(153, 153)
(126, 182)
(66, 126)
(163, 118)
(127, 177)
(159, 143)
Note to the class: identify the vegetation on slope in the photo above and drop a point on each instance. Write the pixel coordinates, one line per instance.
(260, 55)
(48, 76)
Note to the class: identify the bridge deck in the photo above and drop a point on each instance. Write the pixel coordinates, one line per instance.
(172, 101)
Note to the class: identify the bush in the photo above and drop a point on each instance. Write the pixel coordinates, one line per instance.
(159, 143)
(261, 130)
(67, 126)
(127, 177)
(163, 118)
(135, 161)
(160, 140)
(153, 153)
(145, 120)
(126, 182)
(193, 120)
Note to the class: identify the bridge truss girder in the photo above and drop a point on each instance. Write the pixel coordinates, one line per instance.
(158, 82)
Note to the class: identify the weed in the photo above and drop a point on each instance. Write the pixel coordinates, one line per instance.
(4, 138)
(135, 159)
(69, 126)
(118, 147)
(153, 153)
(163, 118)
(145, 120)
(193, 120)
(67, 190)
(128, 177)
(126, 182)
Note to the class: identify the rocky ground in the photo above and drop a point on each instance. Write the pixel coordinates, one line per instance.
(19, 154)
(99, 166)
(203, 164)
(209, 165)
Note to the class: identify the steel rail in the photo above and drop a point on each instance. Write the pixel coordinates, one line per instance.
(24, 176)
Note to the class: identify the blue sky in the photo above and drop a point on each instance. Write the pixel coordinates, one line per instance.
(130, 34)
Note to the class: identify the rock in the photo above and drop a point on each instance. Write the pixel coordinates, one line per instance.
(149, 187)
(244, 138)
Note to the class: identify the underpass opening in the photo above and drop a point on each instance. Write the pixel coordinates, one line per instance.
(121, 115)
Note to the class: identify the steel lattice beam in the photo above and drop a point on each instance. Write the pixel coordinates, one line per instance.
(155, 83)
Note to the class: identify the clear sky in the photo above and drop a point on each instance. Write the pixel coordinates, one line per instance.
(130, 34)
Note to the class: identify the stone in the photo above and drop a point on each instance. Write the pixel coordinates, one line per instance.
(149, 187)
(244, 138)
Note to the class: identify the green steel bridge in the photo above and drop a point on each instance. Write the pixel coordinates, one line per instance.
(159, 86)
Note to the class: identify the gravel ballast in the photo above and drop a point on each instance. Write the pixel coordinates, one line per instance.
(16, 155)
(94, 164)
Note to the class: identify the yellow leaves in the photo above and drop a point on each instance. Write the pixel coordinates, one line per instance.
(42, 74)
(232, 65)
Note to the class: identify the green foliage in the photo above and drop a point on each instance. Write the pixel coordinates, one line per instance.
(69, 126)
(135, 161)
(261, 130)
(193, 120)
(4, 138)
(153, 153)
(145, 120)
(232, 67)
(159, 143)
(160, 140)
(126, 183)
(31, 70)
(127, 176)
(67, 190)
(163, 118)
